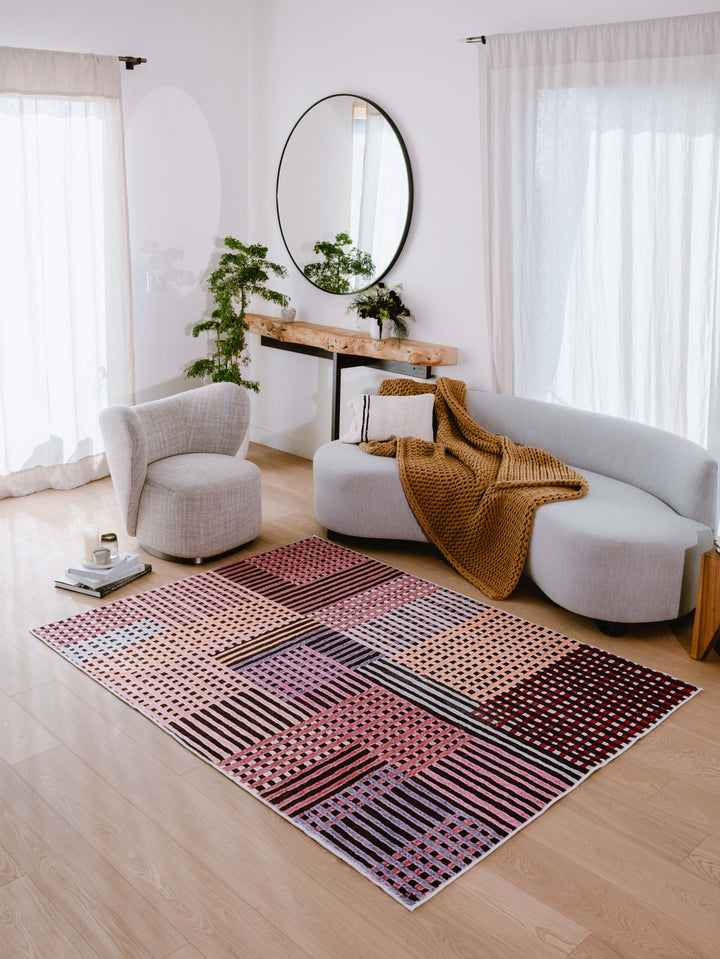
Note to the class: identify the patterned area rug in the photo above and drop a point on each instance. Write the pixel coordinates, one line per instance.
(407, 728)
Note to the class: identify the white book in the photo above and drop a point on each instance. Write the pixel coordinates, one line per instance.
(69, 582)
(84, 580)
(92, 576)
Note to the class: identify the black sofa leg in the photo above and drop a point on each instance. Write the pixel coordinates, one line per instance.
(610, 629)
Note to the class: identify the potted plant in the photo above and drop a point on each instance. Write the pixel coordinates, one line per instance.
(383, 304)
(341, 260)
(242, 272)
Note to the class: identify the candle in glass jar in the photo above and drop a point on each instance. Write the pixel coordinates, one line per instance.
(109, 541)
(91, 541)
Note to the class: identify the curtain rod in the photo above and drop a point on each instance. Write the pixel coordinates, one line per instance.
(132, 62)
(476, 39)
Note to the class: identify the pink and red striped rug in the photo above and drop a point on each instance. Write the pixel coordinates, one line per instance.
(408, 728)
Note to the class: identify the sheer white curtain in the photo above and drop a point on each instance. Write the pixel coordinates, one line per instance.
(372, 156)
(604, 173)
(65, 309)
(383, 204)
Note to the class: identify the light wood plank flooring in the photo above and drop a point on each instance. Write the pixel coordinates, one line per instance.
(116, 842)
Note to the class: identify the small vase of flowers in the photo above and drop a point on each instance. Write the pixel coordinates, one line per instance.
(384, 307)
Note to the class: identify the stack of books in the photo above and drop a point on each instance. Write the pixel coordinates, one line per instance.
(94, 580)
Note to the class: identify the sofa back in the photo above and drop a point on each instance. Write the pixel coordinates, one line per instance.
(679, 472)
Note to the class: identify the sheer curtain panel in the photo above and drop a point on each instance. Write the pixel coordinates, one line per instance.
(65, 305)
(604, 173)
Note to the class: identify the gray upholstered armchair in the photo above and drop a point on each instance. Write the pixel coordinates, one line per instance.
(180, 486)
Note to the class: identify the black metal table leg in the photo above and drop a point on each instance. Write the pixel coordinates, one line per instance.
(336, 392)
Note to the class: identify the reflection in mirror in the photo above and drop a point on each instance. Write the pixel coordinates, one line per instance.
(344, 194)
(340, 263)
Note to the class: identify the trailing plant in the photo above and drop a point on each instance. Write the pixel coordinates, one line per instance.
(380, 303)
(242, 272)
(341, 261)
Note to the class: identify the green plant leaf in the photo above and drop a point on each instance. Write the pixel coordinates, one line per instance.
(381, 302)
(341, 261)
(242, 272)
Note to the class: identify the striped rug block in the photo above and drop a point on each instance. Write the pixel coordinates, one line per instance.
(407, 728)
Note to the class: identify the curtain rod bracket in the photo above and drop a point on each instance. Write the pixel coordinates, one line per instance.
(132, 62)
(482, 39)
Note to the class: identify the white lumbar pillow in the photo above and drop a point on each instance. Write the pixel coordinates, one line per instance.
(380, 417)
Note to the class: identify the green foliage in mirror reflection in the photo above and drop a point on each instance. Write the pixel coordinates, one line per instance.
(341, 261)
(241, 273)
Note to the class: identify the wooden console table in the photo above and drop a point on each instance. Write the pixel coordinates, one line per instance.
(707, 612)
(347, 348)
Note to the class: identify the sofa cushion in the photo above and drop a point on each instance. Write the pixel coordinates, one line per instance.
(617, 554)
(380, 417)
(361, 495)
(211, 512)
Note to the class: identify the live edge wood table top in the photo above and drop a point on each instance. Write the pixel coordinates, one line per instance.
(351, 348)
(334, 339)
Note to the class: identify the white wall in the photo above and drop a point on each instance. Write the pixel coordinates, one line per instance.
(410, 57)
(186, 138)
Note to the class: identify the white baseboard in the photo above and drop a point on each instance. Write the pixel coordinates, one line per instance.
(282, 441)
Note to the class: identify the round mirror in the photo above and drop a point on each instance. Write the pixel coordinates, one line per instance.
(344, 193)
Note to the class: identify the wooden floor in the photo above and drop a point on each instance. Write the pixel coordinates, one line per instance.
(116, 842)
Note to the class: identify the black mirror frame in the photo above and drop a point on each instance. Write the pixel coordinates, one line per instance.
(411, 192)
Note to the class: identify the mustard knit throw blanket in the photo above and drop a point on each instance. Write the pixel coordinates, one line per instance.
(475, 493)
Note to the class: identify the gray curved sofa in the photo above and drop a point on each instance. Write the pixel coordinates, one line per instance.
(627, 552)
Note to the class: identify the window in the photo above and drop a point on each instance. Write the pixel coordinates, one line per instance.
(605, 198)
(65, 344)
